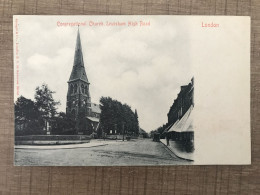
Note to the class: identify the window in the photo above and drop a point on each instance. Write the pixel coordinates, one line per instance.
(75, 88)
(71, 89)
(82, 88)
(86, 89)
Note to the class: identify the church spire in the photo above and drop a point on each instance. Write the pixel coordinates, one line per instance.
(78, 71)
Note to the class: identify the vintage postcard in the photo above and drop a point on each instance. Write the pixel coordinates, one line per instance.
(131, 90)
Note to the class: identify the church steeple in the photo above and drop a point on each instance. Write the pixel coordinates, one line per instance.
(78, 71)
(78, 96)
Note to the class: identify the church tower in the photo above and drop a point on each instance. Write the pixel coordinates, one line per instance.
(78, 97)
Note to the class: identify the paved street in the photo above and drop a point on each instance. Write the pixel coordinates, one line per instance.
(135, 152)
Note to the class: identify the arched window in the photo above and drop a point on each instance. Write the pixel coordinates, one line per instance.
(86, 89)
(75, 88)
(71, 89)
(82, 88)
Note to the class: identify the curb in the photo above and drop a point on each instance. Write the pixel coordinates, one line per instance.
(175, 155)
(51, 148)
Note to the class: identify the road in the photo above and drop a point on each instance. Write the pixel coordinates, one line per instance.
(108, 153)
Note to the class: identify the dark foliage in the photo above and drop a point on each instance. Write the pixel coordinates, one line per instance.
(118, 117)
(28, 120)
(63, 124)
(83, 125)
(45, 102)
(31, 116)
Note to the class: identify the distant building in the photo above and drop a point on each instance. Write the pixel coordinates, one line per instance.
(78, 96)
(180, 116)
(143, 133)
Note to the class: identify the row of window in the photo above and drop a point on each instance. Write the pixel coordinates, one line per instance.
(74, 89)
(93, 114)
(75, 103)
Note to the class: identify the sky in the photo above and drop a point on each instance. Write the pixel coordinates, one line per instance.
(143, 66)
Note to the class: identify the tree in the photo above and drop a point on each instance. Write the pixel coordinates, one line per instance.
(31, 117)
(45, 104)
(84, 126)
(63, 124)
(25, 109)
(27, 117)
(115, 115)
(45, 101)
(136, 123)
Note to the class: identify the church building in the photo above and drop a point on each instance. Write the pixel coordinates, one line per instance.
(79, 104)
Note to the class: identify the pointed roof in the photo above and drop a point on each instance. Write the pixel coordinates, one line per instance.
(78, 71)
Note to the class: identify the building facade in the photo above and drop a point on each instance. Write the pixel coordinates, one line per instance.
(182, 103)
(79, 104)
(180, 116)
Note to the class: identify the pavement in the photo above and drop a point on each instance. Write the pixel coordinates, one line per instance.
(92, 143)
(98, 153)
(175, 148)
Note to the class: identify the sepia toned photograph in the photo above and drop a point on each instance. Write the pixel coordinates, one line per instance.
(122, 91)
